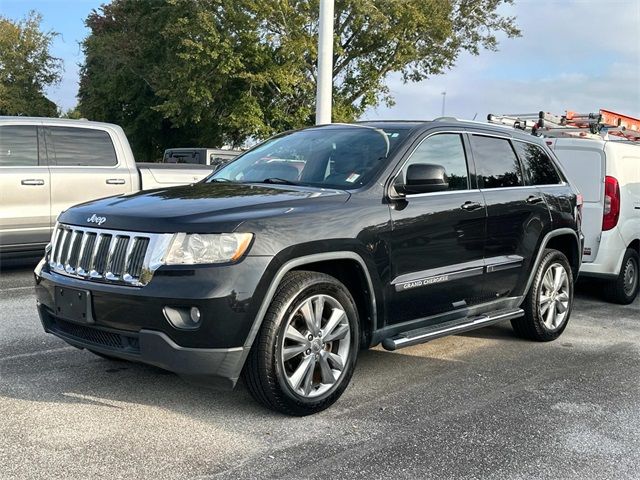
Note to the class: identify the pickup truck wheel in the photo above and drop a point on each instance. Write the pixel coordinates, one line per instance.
(548, 304)
(305, 352)
(624, 289)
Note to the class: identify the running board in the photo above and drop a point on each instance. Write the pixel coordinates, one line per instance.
(422, 335)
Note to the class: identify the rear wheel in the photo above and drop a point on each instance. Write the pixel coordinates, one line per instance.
(624, 289)
(547, 306)
(305, 353)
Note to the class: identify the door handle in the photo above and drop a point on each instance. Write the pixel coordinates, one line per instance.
(115, 181)
(533, 199)
(32, 181)
(469, 206)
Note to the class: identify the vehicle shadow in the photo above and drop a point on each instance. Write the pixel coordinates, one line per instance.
(70, 376)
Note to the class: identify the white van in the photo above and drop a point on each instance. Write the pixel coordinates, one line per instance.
(607, 173)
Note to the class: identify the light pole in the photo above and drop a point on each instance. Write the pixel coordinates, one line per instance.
(325, 63)
(444, 95)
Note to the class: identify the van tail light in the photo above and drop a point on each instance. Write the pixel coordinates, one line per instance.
(611, 212)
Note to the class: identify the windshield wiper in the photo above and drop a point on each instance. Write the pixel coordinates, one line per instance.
(282, 181)
(219, 179)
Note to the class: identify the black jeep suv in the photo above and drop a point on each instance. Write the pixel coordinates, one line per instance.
(283, 264)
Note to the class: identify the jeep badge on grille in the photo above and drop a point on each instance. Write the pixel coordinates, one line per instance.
(95, 219)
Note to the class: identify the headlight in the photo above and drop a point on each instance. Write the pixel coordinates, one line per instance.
(193, 248)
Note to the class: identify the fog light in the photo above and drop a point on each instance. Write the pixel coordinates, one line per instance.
(183, 318)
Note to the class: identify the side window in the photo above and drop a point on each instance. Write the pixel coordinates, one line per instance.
(538, 164)
(496, 163)
(18, 146)
(87, 147)
(447, 150)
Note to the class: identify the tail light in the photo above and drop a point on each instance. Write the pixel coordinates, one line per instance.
(611, 212)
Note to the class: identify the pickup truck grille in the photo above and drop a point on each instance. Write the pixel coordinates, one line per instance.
(104, 255)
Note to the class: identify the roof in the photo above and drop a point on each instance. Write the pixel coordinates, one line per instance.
(56, 121)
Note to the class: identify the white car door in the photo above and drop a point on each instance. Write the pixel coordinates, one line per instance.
(24, 189)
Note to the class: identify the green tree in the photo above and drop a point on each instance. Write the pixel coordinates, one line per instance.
(27, 67)
(207, 72)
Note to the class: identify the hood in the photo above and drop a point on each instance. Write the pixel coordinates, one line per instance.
(199, 208)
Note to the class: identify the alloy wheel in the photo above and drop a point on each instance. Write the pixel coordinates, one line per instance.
(315, 346)
(553, 303)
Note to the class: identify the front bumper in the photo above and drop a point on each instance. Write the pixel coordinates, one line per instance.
(214, 366)
(129, 323)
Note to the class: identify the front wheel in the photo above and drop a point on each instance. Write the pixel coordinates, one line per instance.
(305, 352)
(547, 306)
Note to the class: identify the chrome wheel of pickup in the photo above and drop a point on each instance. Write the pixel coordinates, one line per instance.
(554, 296)
(316, 345)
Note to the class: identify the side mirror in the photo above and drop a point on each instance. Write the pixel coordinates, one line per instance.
(424, 178)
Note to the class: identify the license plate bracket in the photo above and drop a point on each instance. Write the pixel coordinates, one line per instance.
(73, 304)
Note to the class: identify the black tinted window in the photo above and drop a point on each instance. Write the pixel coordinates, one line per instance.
(18, 146)
(496, 162)
(446, 150)
(538, 165)
(80, 146)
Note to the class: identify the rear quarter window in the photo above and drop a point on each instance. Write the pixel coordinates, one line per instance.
(539, 167)
(84, 147)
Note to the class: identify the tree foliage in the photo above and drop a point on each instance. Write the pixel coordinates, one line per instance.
(208, 72)
(27, 67)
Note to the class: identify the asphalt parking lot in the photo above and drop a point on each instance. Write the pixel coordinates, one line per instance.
(479, 405)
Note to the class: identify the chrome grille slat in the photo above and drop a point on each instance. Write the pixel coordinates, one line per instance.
(102, 253)
(116, 257)
(86, 253)
(71, 264)
(106, 256)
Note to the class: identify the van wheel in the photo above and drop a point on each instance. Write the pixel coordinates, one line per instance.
(624, 289)
(547, 306)
(305, 352)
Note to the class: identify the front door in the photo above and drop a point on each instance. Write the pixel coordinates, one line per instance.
(24, 189)
(517, 216)
(437, 239)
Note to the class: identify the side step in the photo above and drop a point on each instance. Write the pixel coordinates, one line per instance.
(422, 335)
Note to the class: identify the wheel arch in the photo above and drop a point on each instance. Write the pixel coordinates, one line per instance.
(347, 266)
(565, 240)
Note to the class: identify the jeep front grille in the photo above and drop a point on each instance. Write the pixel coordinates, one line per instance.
(106, 255)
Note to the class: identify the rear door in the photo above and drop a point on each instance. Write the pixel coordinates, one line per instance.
(437, 239)
(84, 166)
(585, 167)
(517, 216)
(24, 188)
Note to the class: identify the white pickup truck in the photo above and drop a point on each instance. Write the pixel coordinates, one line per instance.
(50, 164)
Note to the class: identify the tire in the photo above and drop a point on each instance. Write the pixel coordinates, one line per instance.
(624, 289)
(277, 368)
(547, 307)
(107, 357)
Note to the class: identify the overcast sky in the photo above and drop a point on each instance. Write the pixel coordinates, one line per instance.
(578, 55)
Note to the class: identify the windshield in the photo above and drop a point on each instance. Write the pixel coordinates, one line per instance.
(335, 157)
